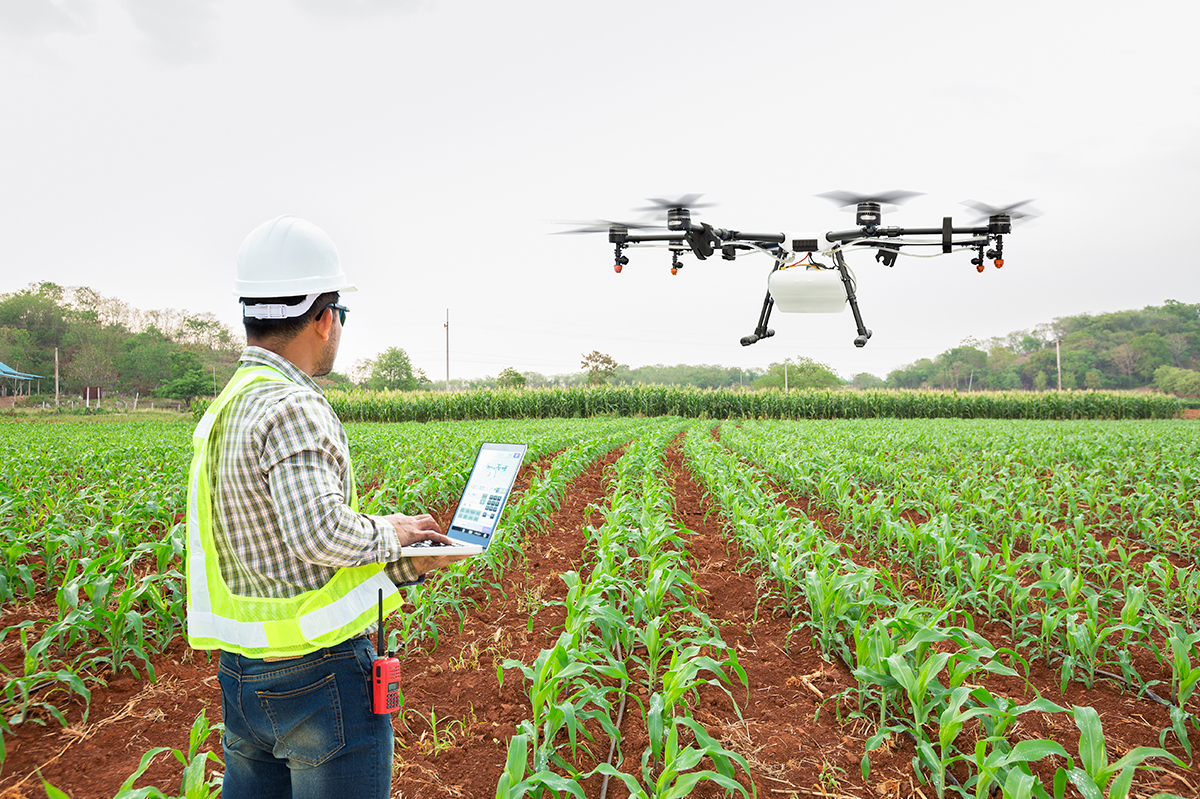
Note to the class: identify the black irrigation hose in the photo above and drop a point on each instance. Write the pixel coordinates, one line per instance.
(1143, 690)
(612, 747)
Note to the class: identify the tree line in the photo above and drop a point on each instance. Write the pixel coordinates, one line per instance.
(1158, 346)
(104, 342)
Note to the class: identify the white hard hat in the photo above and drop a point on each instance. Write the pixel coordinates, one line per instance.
(288, 256)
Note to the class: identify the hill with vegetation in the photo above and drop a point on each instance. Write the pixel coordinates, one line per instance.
(102, 341)
(1158, 346)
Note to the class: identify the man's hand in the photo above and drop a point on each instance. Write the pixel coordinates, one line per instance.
(427, 563)
(411, 529)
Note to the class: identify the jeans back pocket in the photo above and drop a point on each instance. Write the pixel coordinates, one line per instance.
(307, 721)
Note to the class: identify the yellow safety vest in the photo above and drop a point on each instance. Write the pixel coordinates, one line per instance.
(261, 627)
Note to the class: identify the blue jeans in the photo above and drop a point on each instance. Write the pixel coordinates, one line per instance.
(303, 728)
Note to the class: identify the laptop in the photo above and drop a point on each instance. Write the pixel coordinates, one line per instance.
(481, 503)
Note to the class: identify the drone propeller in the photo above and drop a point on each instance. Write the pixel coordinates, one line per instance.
(1013, 211)
(605, 225)
(687, 201)
(844, 198)
(868, 206)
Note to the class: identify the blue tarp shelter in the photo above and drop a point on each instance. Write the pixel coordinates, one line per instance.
(7, 374)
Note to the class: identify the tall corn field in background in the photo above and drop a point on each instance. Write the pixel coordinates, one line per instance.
(695, 403)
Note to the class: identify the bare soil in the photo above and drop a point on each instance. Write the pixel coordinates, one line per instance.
(453, 736)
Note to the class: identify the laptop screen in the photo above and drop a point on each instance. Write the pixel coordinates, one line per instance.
(487, 490)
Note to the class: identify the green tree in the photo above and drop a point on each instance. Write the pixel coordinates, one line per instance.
(961, 367)
(392, 370)
(334, 379)
(798, 373)
(915, 375)
(599, 367)
(1152, 352)
(16, 348)
(144, 362)
(1127, 360)
(510, 378)
(1184, 382)
(188, 377)
(37, 310)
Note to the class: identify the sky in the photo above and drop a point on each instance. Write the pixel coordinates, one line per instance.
(442, 144)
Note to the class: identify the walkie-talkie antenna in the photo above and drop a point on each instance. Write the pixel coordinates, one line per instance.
(379, 632)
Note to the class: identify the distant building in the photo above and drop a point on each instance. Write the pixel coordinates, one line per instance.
(10, 380)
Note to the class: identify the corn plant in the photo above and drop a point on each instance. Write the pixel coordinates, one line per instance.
(1185, 677)
(1097, 777)
(513, 784)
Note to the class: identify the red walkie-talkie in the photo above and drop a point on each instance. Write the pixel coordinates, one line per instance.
(385, 675)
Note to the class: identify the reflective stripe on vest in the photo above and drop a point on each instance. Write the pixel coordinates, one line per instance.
(264, 627)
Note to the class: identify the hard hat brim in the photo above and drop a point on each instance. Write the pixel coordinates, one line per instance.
(252, 289)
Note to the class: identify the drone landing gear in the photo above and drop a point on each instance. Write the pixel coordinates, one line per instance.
(762, 331)
(863, 334)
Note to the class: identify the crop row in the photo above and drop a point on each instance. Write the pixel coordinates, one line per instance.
(632, 633)
(1069, 597)
(92, 515)
(549, 403)
(918, 672)
(444, 592)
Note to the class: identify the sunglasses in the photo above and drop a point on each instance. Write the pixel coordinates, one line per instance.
(341, 309)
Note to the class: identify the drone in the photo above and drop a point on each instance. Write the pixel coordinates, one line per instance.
(799, 282)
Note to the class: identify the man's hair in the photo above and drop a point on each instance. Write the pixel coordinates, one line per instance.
(281, 331)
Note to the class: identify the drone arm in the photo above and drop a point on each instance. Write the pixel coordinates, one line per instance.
(723, 235)
(767, 238)
(637, 239)
(837, 236)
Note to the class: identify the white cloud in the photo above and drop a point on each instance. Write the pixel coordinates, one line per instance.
(36, 18)
(181, 30)
(357, 8)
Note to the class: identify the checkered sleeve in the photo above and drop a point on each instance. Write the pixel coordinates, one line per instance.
(306, 459)
(403, 573)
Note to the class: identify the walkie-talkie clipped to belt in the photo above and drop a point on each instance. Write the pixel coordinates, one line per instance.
(385, 675)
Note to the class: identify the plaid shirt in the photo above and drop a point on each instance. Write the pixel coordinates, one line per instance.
(281, 482)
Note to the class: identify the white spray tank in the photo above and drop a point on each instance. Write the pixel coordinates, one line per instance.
(807, 288)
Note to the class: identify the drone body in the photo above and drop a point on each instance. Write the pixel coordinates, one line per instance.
(799, 282)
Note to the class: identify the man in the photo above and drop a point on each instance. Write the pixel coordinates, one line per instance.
(283, 573)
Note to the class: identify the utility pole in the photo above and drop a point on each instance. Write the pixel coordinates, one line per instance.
(1058, 357)
(56, 377)
(447, 349)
